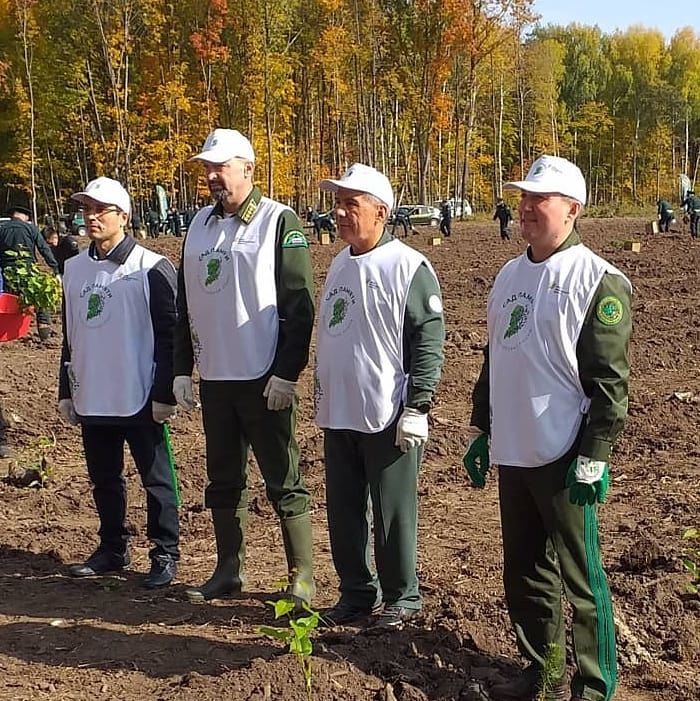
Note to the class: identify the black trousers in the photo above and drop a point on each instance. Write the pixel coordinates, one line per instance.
(446, 227)
(104, 455)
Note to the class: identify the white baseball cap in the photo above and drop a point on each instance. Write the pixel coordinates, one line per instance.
(106, 191)
(553, 174)
(363, 179)
(224, 144)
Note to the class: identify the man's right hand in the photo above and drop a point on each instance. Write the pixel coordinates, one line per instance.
(476, 458)
(182, 389)
(67, 411)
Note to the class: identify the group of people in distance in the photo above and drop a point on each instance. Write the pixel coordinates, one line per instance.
(548, 404)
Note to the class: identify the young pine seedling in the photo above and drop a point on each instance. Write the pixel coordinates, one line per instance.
(550, 674)
(691, 559)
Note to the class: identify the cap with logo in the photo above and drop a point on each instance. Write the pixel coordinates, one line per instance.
(224, 144)
(363, 178)
(555, 175)
(105, 191)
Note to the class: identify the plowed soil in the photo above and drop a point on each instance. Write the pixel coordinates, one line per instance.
(109, 638)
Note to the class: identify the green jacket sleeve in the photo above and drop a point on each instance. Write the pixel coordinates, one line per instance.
(295, 295)
(603, 358)
(424, 337)
(481, 408)
(183, 362)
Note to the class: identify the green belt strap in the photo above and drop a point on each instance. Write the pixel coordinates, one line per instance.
(171, 462)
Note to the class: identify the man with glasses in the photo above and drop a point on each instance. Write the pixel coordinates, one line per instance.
(245, 316)
(116, 378)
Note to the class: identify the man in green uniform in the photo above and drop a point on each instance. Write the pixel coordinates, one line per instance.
(665, 214)
(691, 205)
(245, 316)
(379, 355)
(552, 395)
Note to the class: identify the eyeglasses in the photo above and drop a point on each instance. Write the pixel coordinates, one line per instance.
(97, 212)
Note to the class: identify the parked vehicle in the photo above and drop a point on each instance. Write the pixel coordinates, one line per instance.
(420, 214)
(457, 207)
(77, 224)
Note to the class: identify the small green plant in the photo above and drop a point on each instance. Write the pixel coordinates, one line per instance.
(298, 633)
(691, 559)
(35, 287)
(36, 468)
(551, 672)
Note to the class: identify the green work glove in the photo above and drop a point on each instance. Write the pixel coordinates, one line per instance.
(588, 481)
(476, 459)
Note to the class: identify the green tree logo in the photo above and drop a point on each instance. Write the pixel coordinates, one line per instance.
(95, 306)
(213, 271)
(339, 309)
(517, 320)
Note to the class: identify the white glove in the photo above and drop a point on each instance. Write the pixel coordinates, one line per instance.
(162, 412)
(279, 393)
(67, 411)
(411, 430)
(182, 389)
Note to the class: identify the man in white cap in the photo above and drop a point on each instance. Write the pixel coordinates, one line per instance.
(245, 317)
(552, 395)
(116, 378)
(379, 355)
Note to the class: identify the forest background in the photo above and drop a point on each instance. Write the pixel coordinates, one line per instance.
(447, 97)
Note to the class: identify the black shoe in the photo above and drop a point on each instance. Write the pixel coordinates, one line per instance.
(525, 687)
(163, 571)
(395, 616)
(343, 614)
(100, 562)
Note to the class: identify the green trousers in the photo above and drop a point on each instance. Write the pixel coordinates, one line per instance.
(358, 466)
(549, 542)
(236, 416)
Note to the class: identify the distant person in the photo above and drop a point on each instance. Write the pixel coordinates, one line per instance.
(446, 221)
(504, 216)
(691, 204)
(665, 214)
(136, 225)
(153, 221)
(20, 234)
(62, 247)
(403, 219)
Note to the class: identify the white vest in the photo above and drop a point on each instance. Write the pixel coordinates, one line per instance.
(535, 315)
(360, 380)
(231, 292)
(109, 332)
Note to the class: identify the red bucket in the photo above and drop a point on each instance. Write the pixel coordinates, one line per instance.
(13, 322)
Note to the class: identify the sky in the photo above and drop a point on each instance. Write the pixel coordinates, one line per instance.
(609, 15)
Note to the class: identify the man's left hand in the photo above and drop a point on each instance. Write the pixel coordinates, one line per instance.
(588, 481)
(279, 393)
(162, 412)
(411, 430)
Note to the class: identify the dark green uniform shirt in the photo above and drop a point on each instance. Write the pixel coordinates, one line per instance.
(295, 295)
(603, 361)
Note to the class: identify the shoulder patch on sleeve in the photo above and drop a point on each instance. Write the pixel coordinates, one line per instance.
(434, 304)
(609, 311)
(294, 239)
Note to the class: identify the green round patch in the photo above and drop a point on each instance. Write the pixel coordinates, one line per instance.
(609, 311)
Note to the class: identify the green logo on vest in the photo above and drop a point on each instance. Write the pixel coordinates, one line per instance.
(339, 310)
(213, 271)
(609, 311)
(518, 317)
(95, 306)
(294, 239)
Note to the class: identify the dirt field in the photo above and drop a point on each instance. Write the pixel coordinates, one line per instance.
(111, 639)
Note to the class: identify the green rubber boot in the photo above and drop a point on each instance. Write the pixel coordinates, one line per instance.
(228, 579)
(296, 534)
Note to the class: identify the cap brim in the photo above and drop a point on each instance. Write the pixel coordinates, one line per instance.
(212, 156)
(82, 196)
(332, 185)
(528, 186)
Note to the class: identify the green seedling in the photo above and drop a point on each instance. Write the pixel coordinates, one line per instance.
(298, 633)
(551, 672)
(35, 287)
(691, 559)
